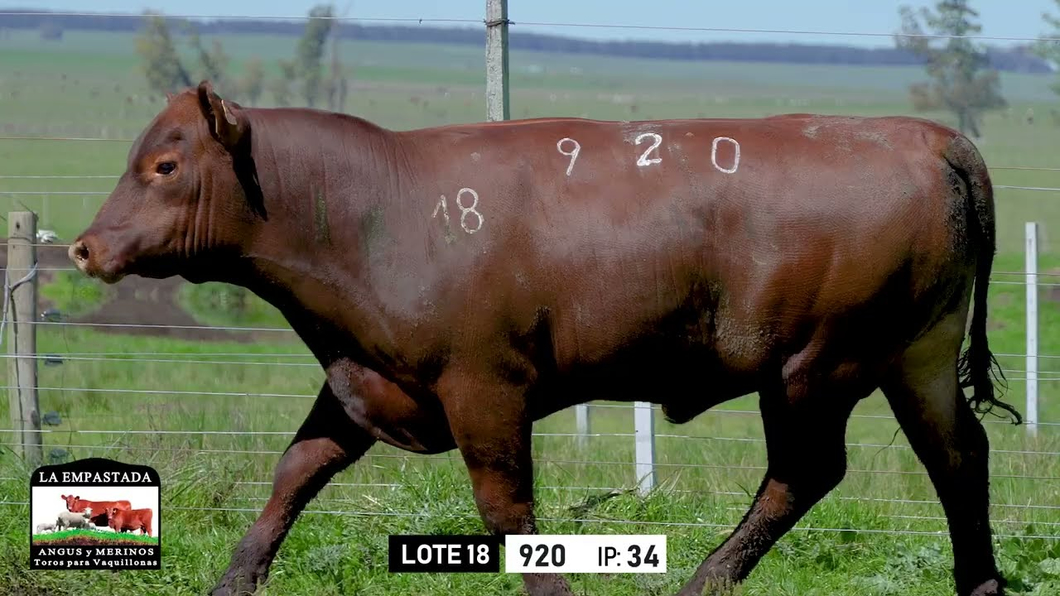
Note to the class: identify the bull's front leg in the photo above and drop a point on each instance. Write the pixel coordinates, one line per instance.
(327, 442)
(489, 421)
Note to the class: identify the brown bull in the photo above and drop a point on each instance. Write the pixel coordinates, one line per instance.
(97, 509)
(130, 520)
(459, 283)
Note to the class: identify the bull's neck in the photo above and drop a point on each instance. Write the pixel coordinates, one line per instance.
(320, 176)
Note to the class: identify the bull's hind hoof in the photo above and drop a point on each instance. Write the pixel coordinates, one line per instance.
(712, 585)
(546, 584)
(235, 585)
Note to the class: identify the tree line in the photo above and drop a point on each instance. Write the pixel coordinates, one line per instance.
(304, 75)
(1015, 59)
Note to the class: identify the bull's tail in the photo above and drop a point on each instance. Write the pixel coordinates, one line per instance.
(977, 364)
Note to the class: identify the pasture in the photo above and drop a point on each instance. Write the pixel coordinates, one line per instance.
(213, 409)
(98, 536)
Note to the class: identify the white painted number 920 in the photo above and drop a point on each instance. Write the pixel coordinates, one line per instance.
(572, 148)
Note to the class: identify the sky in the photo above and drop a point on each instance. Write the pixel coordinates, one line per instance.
(1001, 18)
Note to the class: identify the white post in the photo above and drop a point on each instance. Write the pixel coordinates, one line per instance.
(644, 436)
(497, 60)
(581, 421)
(1031, 269)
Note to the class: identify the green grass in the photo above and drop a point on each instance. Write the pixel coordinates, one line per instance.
(214, 484)
(72, 293)
(93, 534)
(224, 304)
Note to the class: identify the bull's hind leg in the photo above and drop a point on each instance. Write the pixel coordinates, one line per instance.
(951, 443)
(806, 459)
(327, 442)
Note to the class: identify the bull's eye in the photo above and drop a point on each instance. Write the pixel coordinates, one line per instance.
(166, 168)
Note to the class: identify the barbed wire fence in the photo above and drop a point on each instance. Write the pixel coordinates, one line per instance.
(1016, 465)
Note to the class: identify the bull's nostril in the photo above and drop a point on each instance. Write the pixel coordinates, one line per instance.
(81, 251)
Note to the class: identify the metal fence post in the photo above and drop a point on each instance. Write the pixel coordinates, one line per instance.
(581, 421)
(20, 311)
(644, 436)
(497, 107)
(1031, 269)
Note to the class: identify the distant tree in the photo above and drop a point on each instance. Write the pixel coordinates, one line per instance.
(213, 63)
(338, 86)
(310, 52)
(161, 65)
(252, 84)
(281, 87)
(1048, 49)
(923, 97)
(961, 80)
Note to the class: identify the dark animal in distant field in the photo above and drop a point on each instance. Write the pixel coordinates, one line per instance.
(99, 508)
(458, 283)
(129, 520)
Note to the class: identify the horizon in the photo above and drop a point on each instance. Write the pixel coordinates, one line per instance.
(830, 22)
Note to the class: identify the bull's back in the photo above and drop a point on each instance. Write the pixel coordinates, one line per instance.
(615, 196)
(574, 181)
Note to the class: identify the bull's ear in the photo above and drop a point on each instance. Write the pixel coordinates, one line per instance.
(169, 96)
(228, 124)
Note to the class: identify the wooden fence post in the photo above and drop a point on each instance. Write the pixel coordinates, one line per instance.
(20, 317)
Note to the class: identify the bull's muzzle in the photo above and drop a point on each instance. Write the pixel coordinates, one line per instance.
(79, 253)
(93, 260)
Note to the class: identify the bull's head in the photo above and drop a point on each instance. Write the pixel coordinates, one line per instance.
(186, 198)
(71, 502)
(112, 512)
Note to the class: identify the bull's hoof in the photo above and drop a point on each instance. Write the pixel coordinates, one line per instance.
(546, 584)
(989, 588)
(237, 583)
(712, 585)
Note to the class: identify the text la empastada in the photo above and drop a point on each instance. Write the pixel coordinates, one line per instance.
(96, 478)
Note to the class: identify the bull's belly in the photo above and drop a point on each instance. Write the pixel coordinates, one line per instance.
(686, 378)
(387, 413)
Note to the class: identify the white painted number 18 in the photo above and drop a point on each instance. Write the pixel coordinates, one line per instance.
(464, 210)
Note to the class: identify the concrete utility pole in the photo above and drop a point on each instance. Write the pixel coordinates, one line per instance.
(497, 107)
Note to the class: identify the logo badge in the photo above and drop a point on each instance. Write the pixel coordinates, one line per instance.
(95, 514)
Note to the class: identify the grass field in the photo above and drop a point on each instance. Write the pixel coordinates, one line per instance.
(78, 536)
(880, 533)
